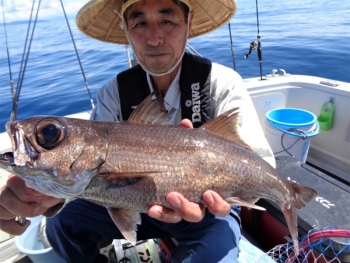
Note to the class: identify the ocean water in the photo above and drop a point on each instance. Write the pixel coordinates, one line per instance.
(309, 37)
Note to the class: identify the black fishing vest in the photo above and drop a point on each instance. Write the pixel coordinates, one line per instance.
(194, 88)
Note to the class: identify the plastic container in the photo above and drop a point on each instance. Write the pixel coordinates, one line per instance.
(289, 132)
(326, 116)
(28, 243)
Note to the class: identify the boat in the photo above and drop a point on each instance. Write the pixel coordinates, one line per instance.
(328, 157)
(326, 168)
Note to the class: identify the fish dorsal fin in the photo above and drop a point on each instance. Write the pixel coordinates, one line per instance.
(127, 222)
(149, 111)
(225, 125)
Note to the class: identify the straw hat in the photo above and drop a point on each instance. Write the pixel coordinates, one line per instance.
(101, 19)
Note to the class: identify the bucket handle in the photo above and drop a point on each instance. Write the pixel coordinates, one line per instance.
(299, 132)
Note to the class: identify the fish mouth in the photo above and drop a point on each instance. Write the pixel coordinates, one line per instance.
(24, 153)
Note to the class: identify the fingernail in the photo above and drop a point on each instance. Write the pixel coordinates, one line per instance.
(209, 199)
(155, 215)
(174, 203)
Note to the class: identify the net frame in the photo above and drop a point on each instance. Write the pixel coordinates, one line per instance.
(318, 246)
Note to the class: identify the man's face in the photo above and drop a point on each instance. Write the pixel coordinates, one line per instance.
(157, 31)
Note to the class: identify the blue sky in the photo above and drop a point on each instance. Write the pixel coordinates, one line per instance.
(17, 10)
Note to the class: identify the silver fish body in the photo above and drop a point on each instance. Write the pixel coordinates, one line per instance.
(128, 167)
(147, 163)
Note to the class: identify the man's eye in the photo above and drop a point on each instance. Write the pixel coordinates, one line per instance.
(140, 24)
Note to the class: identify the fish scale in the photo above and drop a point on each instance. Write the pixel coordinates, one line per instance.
(221, 176)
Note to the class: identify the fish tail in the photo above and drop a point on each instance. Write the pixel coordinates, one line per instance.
(303, 195)
(290, 214)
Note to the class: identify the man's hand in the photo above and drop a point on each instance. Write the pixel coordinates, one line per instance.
(191, 212)
(16, 199)
(186, 123)
(184, 209)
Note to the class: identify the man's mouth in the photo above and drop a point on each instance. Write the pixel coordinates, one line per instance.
(155, 55)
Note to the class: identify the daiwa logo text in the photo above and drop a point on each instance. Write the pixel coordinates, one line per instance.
(196, 103)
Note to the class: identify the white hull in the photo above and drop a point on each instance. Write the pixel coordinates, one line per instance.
(329, 149)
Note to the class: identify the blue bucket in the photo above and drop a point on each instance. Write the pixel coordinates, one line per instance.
(28, 243)
(291, 118)
(289, 131)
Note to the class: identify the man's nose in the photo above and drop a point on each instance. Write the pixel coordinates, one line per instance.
(155, 36)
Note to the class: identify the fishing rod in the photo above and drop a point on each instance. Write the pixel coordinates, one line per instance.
(7, 49)
(256, 44)
(25, 55)
(78, 58)
(232, 49)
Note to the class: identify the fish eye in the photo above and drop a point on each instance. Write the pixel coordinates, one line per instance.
(49, 133)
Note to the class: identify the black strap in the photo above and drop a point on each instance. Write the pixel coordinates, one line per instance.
(194, 88)
(133, 89)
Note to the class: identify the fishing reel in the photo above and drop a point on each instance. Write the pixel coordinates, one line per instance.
(256, 45)
(253, 46)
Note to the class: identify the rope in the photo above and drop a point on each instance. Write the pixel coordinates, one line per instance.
(76, 52)
(192, 50)
(284, 149)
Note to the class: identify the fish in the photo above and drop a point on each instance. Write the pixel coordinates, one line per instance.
(131, 165)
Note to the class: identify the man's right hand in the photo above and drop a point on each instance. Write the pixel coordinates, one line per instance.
(184, 209)
(16, 199)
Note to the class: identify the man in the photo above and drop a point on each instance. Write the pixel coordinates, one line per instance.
(157, 30)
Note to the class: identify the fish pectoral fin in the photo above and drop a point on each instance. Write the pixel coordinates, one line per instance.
(149, 111)
(127, 222)
(241, 202)
(93, 154)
